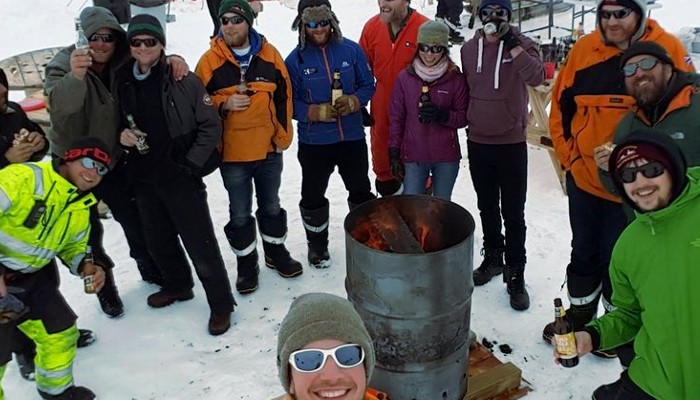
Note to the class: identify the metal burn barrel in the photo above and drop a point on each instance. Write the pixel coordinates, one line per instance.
(409, 275)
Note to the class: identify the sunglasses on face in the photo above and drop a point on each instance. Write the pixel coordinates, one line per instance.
(618, 14)
(89, 163)
(102, 37)
(316, 24)
(235, 20)
(646, 64)
(650, 170)
(312, 360)
(435, 49)
(493, 12)
(149, 42)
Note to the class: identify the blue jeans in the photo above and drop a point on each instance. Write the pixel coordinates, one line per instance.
(444, 177)
(238, 180)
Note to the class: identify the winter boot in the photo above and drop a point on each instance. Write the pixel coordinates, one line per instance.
(274, 232)
(579, 315)
(316, 227)
(150, 272)
(72, 393)
(490, 267)
(243, 243)
(514, 277)
(25, 362)
(391, 187)
(86, 337)
(456, 37)
(109, 296)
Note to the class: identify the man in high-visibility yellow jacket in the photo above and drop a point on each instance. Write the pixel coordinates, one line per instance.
(44, 213)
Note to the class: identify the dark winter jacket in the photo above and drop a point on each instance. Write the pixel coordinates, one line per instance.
(311, 71)
(431, 142)
(87, 107)
(192, 121)
(679, 118)
(497, 88)
(148, 3)
(11, 122)
(654, 274)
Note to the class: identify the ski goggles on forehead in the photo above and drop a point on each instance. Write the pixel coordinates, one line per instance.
(645, 64)
(649, 170)
(316, 24)
(618, 14)
(89, 163)
(313, 360)
(234, 19)
(149, 42)
(102, 37)
(426, 48)
(498, 12)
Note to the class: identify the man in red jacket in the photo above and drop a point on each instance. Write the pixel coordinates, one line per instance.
(388, 52)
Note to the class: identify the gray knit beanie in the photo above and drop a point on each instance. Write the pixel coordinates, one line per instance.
(434, 32)
(320, 316)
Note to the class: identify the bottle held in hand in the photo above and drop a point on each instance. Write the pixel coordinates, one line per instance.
(142, 146)
(336, 86)
(81, 41)
(89, 280)
(564, 336)
(242, 87)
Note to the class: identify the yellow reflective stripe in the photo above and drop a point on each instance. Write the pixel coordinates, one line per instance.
(56, 352)
(75, 263)
(5, 202)
(9, 243)
(15, 265)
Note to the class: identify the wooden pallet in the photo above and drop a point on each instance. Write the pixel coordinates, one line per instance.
(491, 379)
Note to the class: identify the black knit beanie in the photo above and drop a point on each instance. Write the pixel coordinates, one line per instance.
(145, 24)
(648, 48)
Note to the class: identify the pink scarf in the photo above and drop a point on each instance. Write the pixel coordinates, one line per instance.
(431, 74)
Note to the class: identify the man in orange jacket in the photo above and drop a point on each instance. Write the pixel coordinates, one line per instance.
(389, 42)
(588, 101)
(324, 350)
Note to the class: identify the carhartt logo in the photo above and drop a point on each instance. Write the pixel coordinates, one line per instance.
(345, 64)
(695, 243)
(677, 135)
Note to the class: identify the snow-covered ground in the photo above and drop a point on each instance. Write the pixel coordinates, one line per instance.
(168, 354)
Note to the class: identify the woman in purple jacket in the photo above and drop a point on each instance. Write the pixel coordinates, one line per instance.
(423, 131)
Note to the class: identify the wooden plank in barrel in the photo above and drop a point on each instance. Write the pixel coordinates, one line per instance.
(491, 379)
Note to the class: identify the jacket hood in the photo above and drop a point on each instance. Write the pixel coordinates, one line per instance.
(95, 18)
(669, 148)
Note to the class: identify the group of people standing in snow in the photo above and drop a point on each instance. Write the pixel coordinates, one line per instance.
(136, 129)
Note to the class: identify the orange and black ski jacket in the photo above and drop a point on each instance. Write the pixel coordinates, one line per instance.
(266, 125)
(589, 100)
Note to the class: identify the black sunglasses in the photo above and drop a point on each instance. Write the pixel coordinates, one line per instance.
(436, 48)
(618, 14)
(103, 37)
(649, 170)
(498, 12)
(646, 64)
(316, 24)
(235, 20)
(313, 360)
(149, 42)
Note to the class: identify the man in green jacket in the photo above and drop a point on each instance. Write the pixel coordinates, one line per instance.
(44, 214)
(667, 100)
(654, 273)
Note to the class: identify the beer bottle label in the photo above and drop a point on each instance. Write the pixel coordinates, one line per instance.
(566, 345)
(335, 94)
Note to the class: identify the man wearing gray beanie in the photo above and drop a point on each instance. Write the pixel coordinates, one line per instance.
(319, 326)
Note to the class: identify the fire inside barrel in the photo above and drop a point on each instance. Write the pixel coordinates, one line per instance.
(402, 227)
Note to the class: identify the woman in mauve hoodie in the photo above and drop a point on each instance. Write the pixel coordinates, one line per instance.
(498, 67)
(423, 139)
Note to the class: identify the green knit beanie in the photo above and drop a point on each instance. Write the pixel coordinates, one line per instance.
(240, 7)
(145, 24)
(434, 32)
(320, 316)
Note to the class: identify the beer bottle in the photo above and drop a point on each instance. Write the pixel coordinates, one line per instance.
(81, 41)
(424, 98)
(89, 280)
(564, 336)
(336, 86)
(141, 145)
(242, 87)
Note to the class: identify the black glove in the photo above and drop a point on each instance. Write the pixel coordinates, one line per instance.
(397, 168)
(430, 113)
(510, 41)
